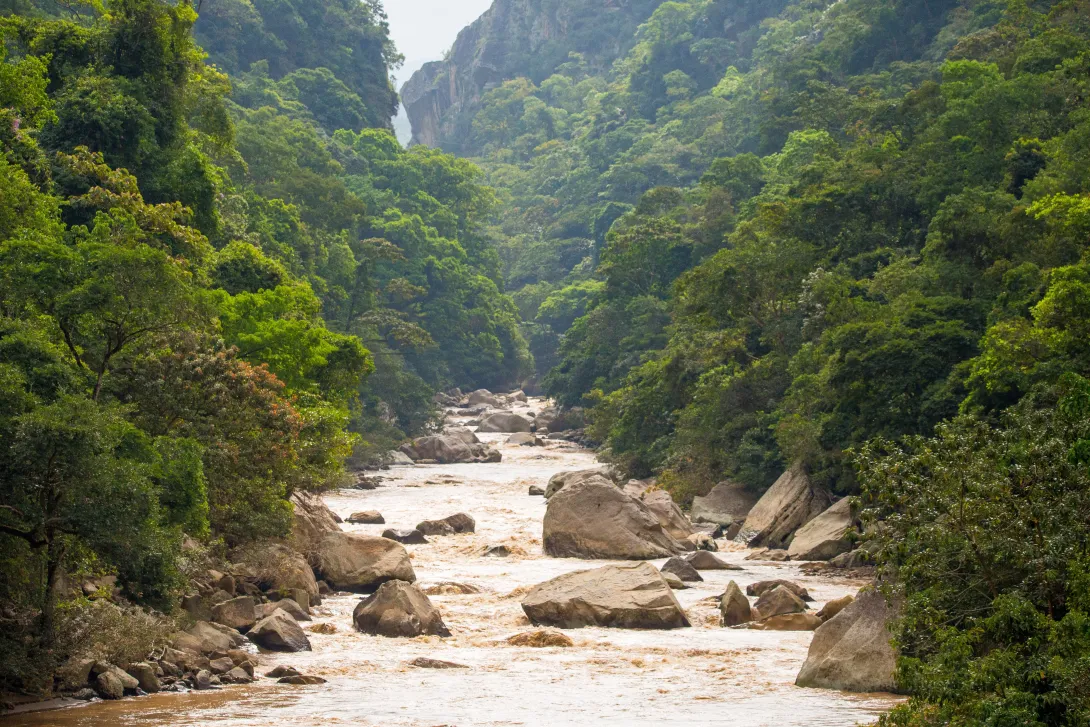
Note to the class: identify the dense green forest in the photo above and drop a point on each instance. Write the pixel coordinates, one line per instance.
(813, 232)
(221, 277)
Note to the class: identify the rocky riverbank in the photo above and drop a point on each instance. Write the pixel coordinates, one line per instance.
(504, 662)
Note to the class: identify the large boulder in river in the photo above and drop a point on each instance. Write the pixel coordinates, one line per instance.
(312, 521)
(727, 505)
(669, 515)
(562, 479)
(779, 601)
(483, 396)
(623, 596)
(398, 609)
(826, 536)
(593, 519)
(279, 632)
(790, 503)
(356, 562)
(852, 650)
(450, 448)
(505, 422)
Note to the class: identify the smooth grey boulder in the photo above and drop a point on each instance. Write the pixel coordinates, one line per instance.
(852, 650)
(398, 609)
(790, 503)
(734, 606)
(237, 613)
(703, 560)
(525, 439)
(826, 536)
(483, 396)
(367, 517)
(505, 422)
(279, 632)
(726, 505)
(621, 596)
(356, 562)
(435, 527)
(591, 518)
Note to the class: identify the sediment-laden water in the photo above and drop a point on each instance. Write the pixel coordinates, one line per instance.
(704, 675)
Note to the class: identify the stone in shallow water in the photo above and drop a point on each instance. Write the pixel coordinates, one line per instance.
(423, 662)
(541, 638)
(301, 680)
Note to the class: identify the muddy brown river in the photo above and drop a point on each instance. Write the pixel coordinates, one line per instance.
(704, 675)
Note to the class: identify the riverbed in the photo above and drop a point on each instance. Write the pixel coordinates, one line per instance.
(704, 675)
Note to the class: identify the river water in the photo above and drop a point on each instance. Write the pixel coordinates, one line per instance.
(704, 675)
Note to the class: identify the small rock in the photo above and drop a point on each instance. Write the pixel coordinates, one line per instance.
(541, 638)
(832, 608)
(435, 527)
(406, 537)
(222, 665)
(537, 491)
(282, 671)
(301, 680)
(323, 628)
(109, 686)
(86, 694)
(788, 622)
(369, 517)
(762, 587)
(734, 606)
(448, 588)
(498, 551)
(203, 680)
(424, 662)
(778, 601)
(703, 560)
(674, 582)
(237, 675)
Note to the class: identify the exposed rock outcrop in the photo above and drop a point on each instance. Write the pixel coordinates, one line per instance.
(622, 596)
(449, 448)
(562, 479)
(790, 503)
(591, 518)
(669, 515)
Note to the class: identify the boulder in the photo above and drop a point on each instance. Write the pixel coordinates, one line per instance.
(591, 518)
(483, 396)
(773, 555)
(727, 505)
(852, 650)
(536, 491)
(408, 537)
(461, 522)
(397, 609)
(790, 503)
(762, 587)
(562, 479)
(541, 638)
(301, 680)
(518, 396)
(669, 515)
(788, 622)
(465, 434)
(832, 608)
(734, 606)
(312, 520)
(368, 517)
(826, 536)
(700, 541)
(395, 458)
(435, 527)
(203, 680)
(622, 596)
(778, 601)
(203, 638)
(858, 558)
(525, 439)
(221, 665)
(279, 568)
(289, 606)
(673, 581)
(681, 569)
(145, 676)
(238, 613)
(505, 422)
(703, 560)
(237, 675)
(279, 632)
(449, 448)
(109, 686)
(355, 562)
(423, 662)
(282, 671)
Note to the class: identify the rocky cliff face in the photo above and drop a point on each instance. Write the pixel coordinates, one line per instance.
(514, 38)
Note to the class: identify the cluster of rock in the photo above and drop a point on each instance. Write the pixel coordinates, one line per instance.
(455, 445)
(793, 520)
